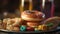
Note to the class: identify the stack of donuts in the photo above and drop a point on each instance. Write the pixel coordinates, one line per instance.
(33, 18)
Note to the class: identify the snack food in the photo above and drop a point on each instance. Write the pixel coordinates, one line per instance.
(16, 29)
(18, 22)
(10, 28)
(5, 22)
(9, 23)
(30, 29)
(52, 22)
(33, 24)
(23, 28)
(32, 15)
(42, 27)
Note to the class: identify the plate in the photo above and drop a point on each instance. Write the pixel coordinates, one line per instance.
(7, 31)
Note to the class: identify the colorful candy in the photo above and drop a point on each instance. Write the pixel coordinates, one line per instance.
(23, 28)
(42, 27)
(30, 29)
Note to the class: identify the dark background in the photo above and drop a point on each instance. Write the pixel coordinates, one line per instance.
(57, 7)
(11, 5)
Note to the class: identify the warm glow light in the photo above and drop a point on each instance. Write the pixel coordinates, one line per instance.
(22, 3)
(5, 13)
(30, 5)
(43, 3)
(21, 6)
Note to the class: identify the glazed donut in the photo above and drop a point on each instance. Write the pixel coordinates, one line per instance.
(32, 24)
(54, 21)
(14, 21)
(32, 15)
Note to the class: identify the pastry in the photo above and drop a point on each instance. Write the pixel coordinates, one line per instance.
(42, 27)
(32, 15)
(16, 29)
(52, 22)
(33, 24)
(10, 27)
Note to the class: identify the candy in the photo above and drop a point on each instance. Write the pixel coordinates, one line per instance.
(30, 29)
(23, 28)
(42, 27)
(36, 29)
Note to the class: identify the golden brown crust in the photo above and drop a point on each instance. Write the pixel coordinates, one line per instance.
(54, 20)
(32, 24)
(15, 22)
(32, 15)
(12, 28)
(16, 29)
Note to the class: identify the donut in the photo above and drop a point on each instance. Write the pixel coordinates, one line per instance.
(5, 20)
(52, 22)
(32, 15)
(18, 22)
(16, 29)
(14, 21)
(10, 28)
(32, 24)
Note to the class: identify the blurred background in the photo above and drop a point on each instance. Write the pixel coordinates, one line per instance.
(11, 8)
